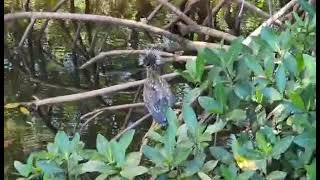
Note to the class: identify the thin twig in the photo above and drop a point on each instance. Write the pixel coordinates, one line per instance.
(89, 120)
(253, 8)
(270, 7)
(133, 125)
(215, 10)
(184, 43)
(136, 96)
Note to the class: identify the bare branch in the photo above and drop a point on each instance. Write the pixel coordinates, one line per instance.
(102, 55)
(185, 43)
(198, 28)
(253, 8)
(26, 32)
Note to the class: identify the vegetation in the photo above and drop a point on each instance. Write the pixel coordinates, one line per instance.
(262, 95)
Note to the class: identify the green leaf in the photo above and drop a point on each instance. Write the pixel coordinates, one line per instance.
(23, 169)
(254, 66)
(194, 165)
(296, 100)
(216, 127)
(230, 172)
(103, 147)
(203, 176)
(262, 143)
(290, 63)
(221, 154)
(94, 166)
(281, 146)
(52, 148)
(155, 136)
(118, 153)
(307, 7)
(133, 171)
(153, 154)
(307, 140)
(200, 62)
(211, 56)
(276, 175)
(62, 140)
(233, 53)
(236, 115)
(49, 167)
(126, 139)
(210, 105)
(209, 166)
(172, 120)
(281, 79)
(180, 155)
(220, 94)
(271, 94)
(189, 97)
(189, 117)
(268, 66)
(311, 170)
(243, 90)
(270, 37)
(245, 175)
(133, 159)
(310, 64)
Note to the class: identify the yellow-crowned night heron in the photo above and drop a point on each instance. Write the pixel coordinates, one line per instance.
(157, 95)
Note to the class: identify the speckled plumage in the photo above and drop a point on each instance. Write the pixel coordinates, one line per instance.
(157, 95)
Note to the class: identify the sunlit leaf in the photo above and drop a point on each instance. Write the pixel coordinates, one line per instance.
(11, 105)
(133, 171)
(24, 110)
(276, 175)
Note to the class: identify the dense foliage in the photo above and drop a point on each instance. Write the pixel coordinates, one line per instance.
(262, 95)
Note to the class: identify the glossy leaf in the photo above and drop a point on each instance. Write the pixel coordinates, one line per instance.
(210, 104)
(126, 139)
(133, 171)
(281, 146)
(253, 65)
(281, 79)
(271, 94)
(190, 119)
(23, 169)
(203, 176)
(276, 175)
(216, 127)
(153, 154)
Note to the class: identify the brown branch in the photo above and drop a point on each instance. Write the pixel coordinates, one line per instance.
(26, 32)
(112, 108)
(215, 10)
(133, 125)
(185, 43)
(102, 55)
(98, 92)
(198, 28)
(136, 96)
(268, 22)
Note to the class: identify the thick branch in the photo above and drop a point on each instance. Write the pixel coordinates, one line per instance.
(186, 44)
(102, 55)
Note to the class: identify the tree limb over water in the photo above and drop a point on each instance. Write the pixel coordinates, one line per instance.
(184, 43)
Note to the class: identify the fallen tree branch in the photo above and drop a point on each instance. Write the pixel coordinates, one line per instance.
(184, 43)
(198, 28)
(27, 32)
(102, 55)
(268, 22)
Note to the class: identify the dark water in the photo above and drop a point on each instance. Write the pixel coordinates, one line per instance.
(51, 74)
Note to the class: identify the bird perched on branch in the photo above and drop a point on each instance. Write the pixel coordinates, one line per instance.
(157, 95)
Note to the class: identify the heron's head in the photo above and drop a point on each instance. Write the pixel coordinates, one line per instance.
(150, 59)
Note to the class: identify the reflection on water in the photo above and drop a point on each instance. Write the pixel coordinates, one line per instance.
(51, 60)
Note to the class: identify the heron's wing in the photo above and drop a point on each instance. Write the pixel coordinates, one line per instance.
(166, 92)
(155, 101)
